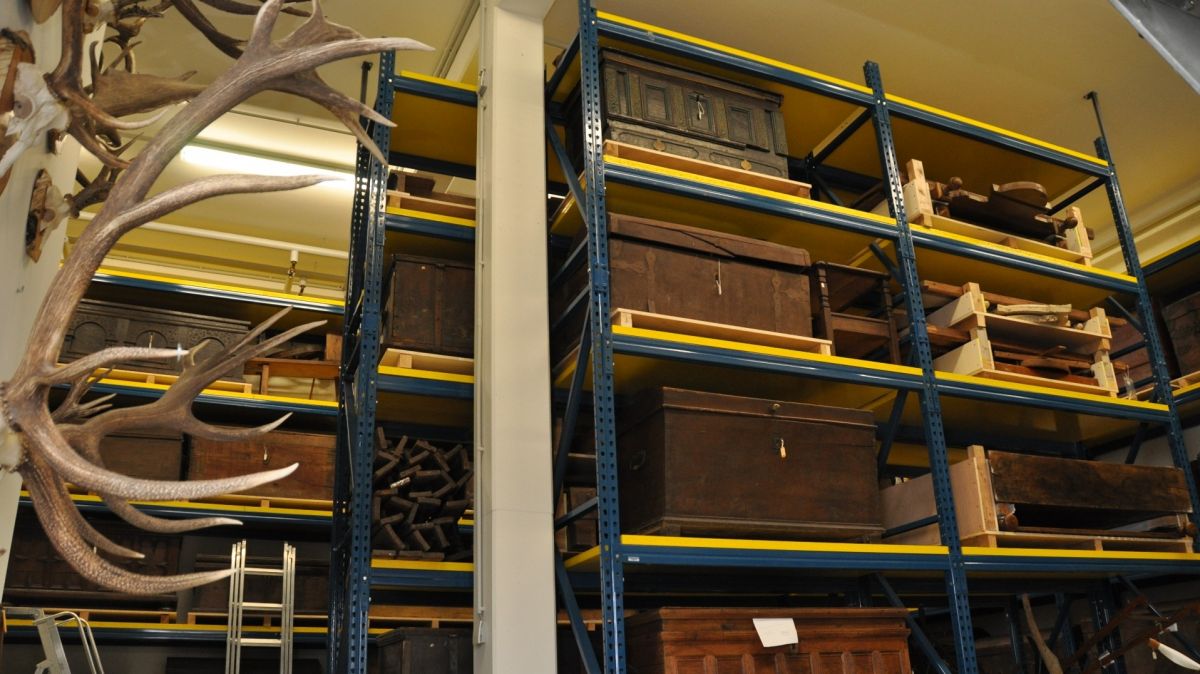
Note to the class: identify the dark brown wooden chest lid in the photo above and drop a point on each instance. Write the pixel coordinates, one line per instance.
(704, 241)
(650, 401)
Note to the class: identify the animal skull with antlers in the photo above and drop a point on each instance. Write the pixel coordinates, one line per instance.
(50, 447)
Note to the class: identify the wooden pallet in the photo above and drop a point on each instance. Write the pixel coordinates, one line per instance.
(980, 517)
(317, 370)
(731, 174)
(436, 204)
(631, 318)
(169, 379)
(918, 203)
(971, 317)
(433, 362)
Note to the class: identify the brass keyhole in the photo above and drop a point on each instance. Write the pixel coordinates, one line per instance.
(781, 447)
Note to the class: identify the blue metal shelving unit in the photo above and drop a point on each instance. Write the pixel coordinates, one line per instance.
(613, 180)
(438, 403)
(596, 373)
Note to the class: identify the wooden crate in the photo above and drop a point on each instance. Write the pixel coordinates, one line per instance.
(1016, 500)
(313, 479)
(1183, 324)
(975, 337)
(312, 586)
(430, 306)
(144, 454)
(692, 276)
(724, 640)
(703, 464)
(417, 650)
(685, 113)
(924, 210)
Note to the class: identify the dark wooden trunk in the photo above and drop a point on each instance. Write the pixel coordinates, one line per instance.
(97, 325)
(1050, 492)
(682, 112)
(312, 480)
(723, 640)
(703, 464)
(145, 455)
(38, 575)
(430, 306)
(1137, 361)
(1183, 322)
(688, 272)
(312, 585)
(418, 650)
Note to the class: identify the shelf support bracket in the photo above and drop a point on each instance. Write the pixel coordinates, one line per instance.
(916, 633)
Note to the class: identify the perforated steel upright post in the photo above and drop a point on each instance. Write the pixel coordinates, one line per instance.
(931, 407)
(603, 406)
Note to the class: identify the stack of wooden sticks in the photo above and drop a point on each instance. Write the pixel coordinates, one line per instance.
(421, 491)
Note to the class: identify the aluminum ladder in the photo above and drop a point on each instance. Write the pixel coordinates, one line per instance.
(236, 638)
(56, 657)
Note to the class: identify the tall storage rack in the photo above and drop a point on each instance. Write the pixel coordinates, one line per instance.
(612, 353)
(435, 132)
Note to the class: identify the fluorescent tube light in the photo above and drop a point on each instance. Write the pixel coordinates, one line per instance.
(236, 162)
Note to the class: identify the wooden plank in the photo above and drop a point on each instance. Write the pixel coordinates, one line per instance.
(631, 318)
(912, 500)
(952, 291)
(435, 362)
(169, 379)
(972, 358)
(675, 162)
(290, 367)
(1034, 380)
(1045, 334)
(1050, 481)
(945, 224)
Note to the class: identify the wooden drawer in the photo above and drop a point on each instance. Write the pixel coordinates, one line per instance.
(97, 325)
(1002, 498)
(694, 273)
(682, 112)
(703, 464)
(707, 640)
(313, 479)
(430, 306)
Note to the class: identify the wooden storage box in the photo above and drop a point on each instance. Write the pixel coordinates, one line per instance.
(1183, 323)
(711, 640)
(143, 454)
(704, 464)
(691, 273)
(97, 325)
(312, 586)
(430, 306)
(1005, 499)
(313, 479)
(419, 650)
(38, 575)
(685, 113)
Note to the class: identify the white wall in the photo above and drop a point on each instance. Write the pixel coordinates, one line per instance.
(22, 282)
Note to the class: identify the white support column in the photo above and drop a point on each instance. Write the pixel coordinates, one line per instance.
(23, 282)
(514, 564)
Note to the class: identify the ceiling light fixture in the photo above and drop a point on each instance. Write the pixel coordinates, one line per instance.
(237, 162)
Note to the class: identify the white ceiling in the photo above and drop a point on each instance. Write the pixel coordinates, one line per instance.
(1021, 64)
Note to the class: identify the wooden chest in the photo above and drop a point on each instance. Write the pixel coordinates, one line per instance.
(416, 650)
(693, 273)
(145, 455)
(430, 306)
(681, 112)
(703, 464)
(97, 325)
(1183, 322)
(724, 640)
(38, 575)
(313, 479)
(1002, 499)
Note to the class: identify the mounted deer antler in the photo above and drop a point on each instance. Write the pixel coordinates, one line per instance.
(48, 448)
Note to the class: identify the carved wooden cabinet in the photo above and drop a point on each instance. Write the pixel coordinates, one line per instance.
(430, 306)
(313, 479)
(724, 641)
(97, 325)
(703, 464)
(669, 109)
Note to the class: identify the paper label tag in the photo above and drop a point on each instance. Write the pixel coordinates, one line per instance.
(776, 631)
